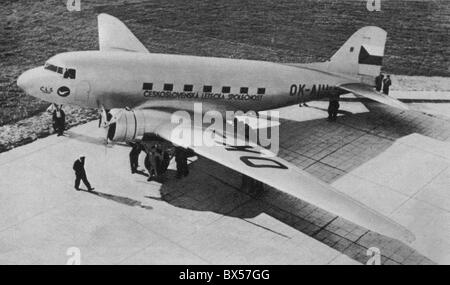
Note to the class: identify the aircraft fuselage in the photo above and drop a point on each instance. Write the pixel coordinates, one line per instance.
(129, 79)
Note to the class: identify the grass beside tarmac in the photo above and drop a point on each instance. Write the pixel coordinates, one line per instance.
(280, 31)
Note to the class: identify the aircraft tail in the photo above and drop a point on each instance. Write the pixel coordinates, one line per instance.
(362, 54)
(113, 35)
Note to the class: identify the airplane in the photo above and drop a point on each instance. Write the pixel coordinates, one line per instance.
(138, 91)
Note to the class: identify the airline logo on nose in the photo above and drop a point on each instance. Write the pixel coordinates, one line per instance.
(63, 91)
(46, 90)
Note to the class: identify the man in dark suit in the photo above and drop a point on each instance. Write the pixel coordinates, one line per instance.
(134, 156)
(59, 120)
(80, 174)
(181, 161)
(379, 82)
(386, 83)
(333, 108)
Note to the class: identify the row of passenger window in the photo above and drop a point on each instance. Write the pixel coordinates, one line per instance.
(206, 88)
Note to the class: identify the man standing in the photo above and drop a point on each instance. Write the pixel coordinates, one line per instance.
(134, 156)
(379, 82)
(148, 164)
(151, 163)
(333, 108)
(181, 160)
(80, 174)
(59, 118)
(386, 83)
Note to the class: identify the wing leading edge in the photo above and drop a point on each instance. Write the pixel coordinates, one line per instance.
(255, 161)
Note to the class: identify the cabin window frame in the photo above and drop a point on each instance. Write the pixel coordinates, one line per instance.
(147, 86)
(188, 87)
(224, 91)
(168, 87)
(243, 90)
(206, 87)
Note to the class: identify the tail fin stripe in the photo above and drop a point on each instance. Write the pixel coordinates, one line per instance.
(366, 58)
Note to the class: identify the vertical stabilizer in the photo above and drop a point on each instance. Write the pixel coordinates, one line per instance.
(362, 54)
(114, 35)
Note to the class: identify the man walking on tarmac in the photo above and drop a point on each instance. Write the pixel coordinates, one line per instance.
(80, 174)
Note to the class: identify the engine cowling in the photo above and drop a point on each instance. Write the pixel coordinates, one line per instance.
(128, 125)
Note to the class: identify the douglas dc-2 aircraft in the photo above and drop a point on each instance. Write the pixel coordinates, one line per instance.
(141, 90)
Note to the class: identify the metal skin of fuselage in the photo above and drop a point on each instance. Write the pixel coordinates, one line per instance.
(115, 79)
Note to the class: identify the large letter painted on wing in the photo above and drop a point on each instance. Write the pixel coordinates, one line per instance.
(256, 162)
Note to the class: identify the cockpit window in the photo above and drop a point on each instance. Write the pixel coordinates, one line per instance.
(51, 67)
(67, 72)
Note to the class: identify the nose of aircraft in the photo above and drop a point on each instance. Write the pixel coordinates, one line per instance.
(24, 81)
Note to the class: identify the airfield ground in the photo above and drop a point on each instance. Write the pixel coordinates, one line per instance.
(206, 218)
(397, 162)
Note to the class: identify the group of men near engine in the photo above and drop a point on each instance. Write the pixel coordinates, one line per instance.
(157, 159)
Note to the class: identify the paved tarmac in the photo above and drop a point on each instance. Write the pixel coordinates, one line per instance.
(395, 161)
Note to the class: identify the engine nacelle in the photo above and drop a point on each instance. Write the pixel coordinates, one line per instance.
(128, 125)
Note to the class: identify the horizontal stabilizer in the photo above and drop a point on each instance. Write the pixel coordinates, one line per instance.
(367, 91)
(113, 35)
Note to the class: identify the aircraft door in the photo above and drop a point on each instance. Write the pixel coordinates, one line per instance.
(82, 92)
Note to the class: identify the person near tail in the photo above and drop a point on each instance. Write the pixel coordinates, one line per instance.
(386, 84)
(379, 82)
(333, 108)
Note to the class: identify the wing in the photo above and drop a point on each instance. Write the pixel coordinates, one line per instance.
(363, 90)
(113, 35)
(257, 162)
